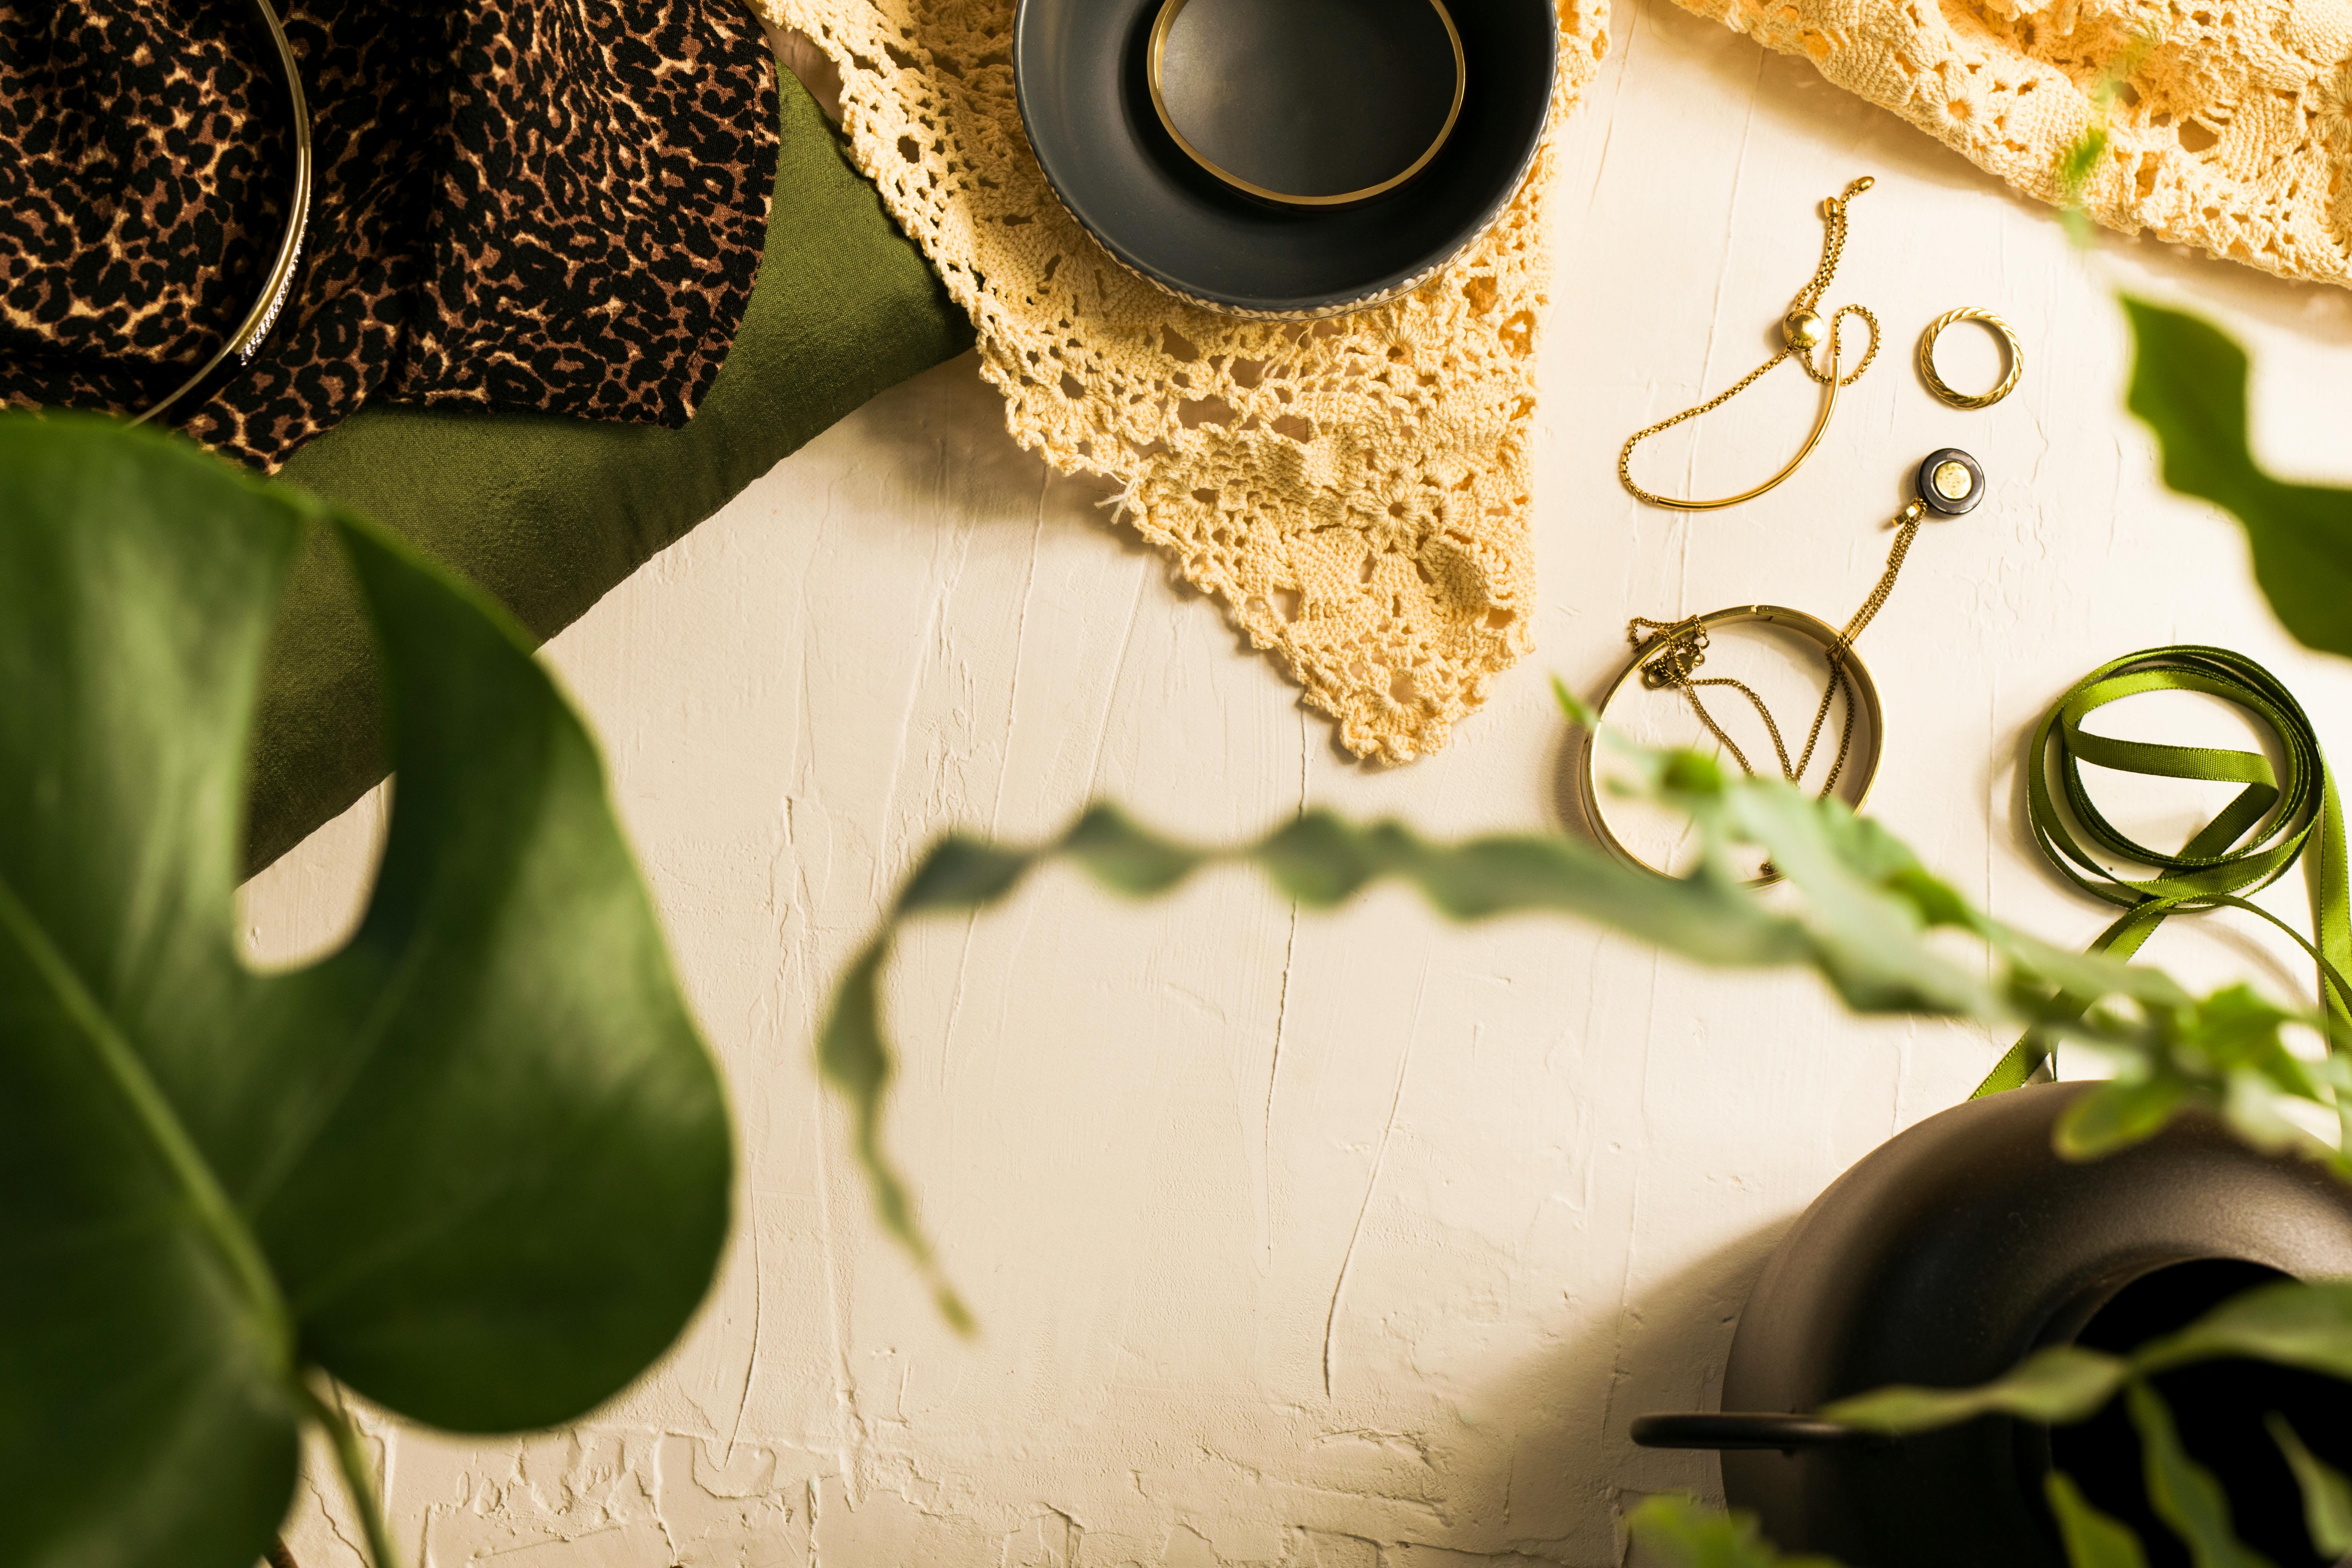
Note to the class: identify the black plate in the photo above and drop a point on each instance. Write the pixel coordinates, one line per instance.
(1078, 67)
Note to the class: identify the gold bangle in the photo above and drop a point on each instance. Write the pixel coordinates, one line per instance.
(2010, 352)
(246, 340)
(1158, 45)
(1810, 627)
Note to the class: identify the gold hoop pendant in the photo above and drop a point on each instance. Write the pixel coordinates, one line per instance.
(1813, 627)
(2011, 354)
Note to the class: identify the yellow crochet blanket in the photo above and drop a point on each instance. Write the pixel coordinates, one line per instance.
(2232, 132)
(1354, 490)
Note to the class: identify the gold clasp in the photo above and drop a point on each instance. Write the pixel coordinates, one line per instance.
(1668, 652)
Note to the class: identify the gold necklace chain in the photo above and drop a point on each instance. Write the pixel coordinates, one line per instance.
(1672, 652)
(1802, 331)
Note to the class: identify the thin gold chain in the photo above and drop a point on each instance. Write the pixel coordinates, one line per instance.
(1807, 301)
(1673, 651)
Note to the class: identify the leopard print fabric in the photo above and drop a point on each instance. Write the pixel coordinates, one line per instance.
(138, 194)
(542, 206)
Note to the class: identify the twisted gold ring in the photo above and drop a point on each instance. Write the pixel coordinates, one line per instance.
(2010, 352)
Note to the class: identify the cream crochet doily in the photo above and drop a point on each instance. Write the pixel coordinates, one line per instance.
(2234, 133)
(1354, 489)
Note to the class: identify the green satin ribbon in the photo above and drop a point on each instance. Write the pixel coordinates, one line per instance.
(2254, 841)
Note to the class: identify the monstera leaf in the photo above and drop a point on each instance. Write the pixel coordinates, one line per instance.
(475, 1165)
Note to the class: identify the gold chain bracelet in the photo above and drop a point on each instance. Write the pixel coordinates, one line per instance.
(1802, 330)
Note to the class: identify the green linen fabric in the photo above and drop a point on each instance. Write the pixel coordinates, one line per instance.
(549, 513)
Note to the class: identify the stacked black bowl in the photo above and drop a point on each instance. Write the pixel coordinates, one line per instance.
(1241, 185)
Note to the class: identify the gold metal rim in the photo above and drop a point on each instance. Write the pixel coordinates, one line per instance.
(1811, 626)
(2011, 354)
(242, 343)
(1167, 19)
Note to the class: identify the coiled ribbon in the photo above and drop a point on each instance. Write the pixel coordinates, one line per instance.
(2252, 842)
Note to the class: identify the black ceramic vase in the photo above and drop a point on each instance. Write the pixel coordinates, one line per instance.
(1958, 1248)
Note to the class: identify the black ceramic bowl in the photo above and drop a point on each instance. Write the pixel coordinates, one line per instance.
(1080, 70)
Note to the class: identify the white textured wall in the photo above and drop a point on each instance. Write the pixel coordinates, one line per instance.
(1345, 1241)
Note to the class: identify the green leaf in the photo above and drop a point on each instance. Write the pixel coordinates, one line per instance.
(962, 873)
(2118, 1113)
(475, 1164)
(2304, 1323)
(1577, 711)
(2077, 159)
(1124, 858)
(2075, 974)
(1869, 920)
(1318, 859)
(2056, 1385)
(2188, 384)
(2301, 1323)
(852, 1057)
(2184, 1493)
(1869, 943)
(2326, 1495)
(2093, 1539)
(1680, 1532)
(2255, 1110)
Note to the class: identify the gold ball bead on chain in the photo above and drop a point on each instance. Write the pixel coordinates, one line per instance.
(1803, 330)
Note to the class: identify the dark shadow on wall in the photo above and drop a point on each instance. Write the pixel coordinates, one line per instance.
(1574, 1467)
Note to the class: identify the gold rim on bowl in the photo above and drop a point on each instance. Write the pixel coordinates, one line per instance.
(1167, 19)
